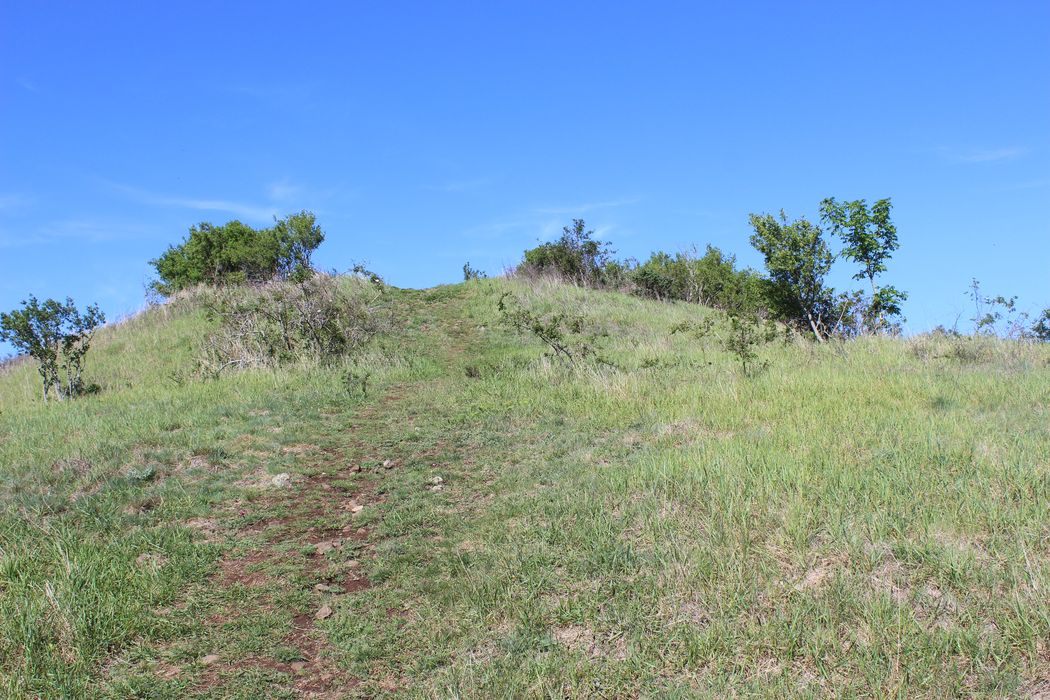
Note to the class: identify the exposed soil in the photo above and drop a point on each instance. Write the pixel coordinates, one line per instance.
(322, 494)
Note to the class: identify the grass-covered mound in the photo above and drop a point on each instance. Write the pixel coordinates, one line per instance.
(469, 518)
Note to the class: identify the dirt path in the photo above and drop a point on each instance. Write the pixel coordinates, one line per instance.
(300, 551)
(306, 534)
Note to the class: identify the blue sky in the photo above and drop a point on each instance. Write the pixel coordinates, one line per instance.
(425, 135)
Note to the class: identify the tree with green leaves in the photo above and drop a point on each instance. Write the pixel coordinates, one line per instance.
(296, 237)
(999, 315)
(472, 273)
(575, 256)
(711, 279)
(1041, 328)
(798, 259)
(869, 238)
(58, 336)
(235, 253)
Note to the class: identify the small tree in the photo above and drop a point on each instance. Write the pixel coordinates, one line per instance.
(1041, 328)
(235, 253)
(562, 331)
(296, 237)
(870, 239)
(797, 259)
(472, 273)
(709, 280)
(997, 315)
(747, 332)
(56, 335)
(576, 256)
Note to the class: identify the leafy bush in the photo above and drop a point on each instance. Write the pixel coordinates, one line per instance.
(744, 333)
(1041, 328)
(748, 332)
(663, 277)
(617, 274)
(562, 331)
(710, 280)
(471, 273)
(998, 315)
(869, 238)
(56, 335)
(798, 259)
(319, 319)
(236, 253)
(575, 257)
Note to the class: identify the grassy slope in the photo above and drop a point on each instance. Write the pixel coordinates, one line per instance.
(851, 522)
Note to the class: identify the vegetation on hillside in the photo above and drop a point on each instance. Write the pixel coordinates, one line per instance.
(235, 253)
(798, 257)
(319, 319)
(858, 520)
(556, 484)
(57, 336)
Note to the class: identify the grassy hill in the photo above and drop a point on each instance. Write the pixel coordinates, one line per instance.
(478, 520)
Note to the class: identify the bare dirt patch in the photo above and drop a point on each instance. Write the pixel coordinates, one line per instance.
(583, 640)
(308, 525)
(208, 527)
(816, 576)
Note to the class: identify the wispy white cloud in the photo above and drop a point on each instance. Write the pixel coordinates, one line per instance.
(80, 230)
(94, 230)
(1028, 185)
(241, 209)
(587, 206)
(982, 155)
(283, 191)
(497, 229)
(27, 84)
(13, 201)
(503, 240)
(461, 185)
(287, 95)
(543, 223)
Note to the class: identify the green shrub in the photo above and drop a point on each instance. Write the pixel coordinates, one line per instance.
(563, 332)
(319, 319)
(471, 273)
(575, 257)
(869, 239)
(798, 257)
(235, 253)
(742, 333)
(1041, 328)
(710, 280)
(56, 335)
(748, 332)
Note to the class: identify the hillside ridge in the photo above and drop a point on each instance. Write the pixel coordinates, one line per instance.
(452, 511)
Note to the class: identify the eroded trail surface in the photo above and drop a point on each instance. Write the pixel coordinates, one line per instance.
(306, 546)
(297, 606)
(484, 522)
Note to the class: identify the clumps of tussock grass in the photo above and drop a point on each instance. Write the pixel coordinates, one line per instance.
(978, 350)
(314, 321)
(12, 364)
(629, 333)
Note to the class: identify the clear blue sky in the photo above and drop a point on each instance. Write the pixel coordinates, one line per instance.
(428, 134)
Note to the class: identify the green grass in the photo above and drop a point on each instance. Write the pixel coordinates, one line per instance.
(870, 519)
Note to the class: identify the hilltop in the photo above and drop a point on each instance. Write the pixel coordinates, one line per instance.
(451, 511)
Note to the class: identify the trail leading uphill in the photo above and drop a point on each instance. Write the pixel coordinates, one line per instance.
(450, 513)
